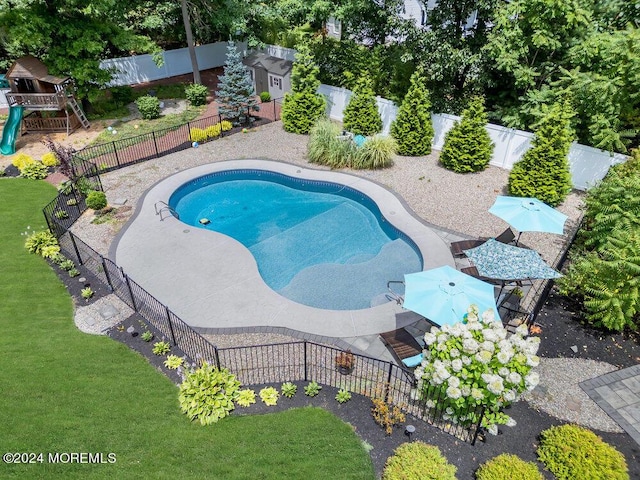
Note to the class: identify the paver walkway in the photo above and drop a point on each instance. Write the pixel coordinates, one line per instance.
(618, 394)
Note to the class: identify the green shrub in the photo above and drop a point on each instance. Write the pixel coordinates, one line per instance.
(300, 110)
(41, 242)
(122, 95)
(265, 97)
(412, 128)
(196, 94)
(269, 395)
(49, 159)
(361, 116)
(288, 389)
(343, 396)
(418, 461)
(207, 394)
(467, 146)
(604, 267)
(213, 131)
(543, 172)
(507, 466)
(312, 389)
(96, 200)
(34, 171)
(376, 152)
(149, 107)
(302, 107)
(571, 452)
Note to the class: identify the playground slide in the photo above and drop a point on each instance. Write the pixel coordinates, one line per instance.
(11, 131)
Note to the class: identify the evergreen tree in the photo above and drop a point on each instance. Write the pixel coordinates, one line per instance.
(543, 171)
(467, 146)
(302, 107)
(236, 95)
(412, 128)
(361, 116)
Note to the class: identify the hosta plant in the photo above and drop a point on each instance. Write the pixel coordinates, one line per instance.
(66, 264)
(38, 242)
(147, 336)
(73, 272)
(288, 389)
(269, 395)
(207, 394)
(173, 362)
(86, 293)
(312, 389)
(246, 397)
(343, 396)
(161, 348)
(34, 171)
(473, 364)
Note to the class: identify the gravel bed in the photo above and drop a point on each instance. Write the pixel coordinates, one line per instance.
(559, 394)
(244, 339)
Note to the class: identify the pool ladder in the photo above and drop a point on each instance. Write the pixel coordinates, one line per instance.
(164, 208)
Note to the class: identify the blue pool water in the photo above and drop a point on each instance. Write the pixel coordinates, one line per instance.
(318, 243)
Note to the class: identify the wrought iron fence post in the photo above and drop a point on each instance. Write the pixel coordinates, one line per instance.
(388, 386)
(155, 144)
(115, 150)
(478, 427)
(173, 335)
(126, 281)
(220, 123)
(75, 247)
(106, 274)
(305, 362)
(274, 110)
(188, 132)
(216, 357)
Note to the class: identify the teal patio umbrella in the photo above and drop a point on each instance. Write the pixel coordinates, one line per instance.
(497, 260)
(528, 215)
(443, 294)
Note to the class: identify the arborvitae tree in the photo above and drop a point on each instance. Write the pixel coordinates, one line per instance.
(467, 146)
(361, 116)
(412, 128)
(236, 95)
(543, 172)
(303, 106)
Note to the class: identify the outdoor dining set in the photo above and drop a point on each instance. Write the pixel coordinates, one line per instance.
(498, 267)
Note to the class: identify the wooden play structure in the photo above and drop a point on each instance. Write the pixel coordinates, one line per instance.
(50, 100)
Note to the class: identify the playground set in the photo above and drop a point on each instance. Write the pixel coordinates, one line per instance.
(50, 101)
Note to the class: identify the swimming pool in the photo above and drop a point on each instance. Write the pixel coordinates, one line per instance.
(318, 243)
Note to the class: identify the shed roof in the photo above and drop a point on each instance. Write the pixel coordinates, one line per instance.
(278, 66)
(31, 67)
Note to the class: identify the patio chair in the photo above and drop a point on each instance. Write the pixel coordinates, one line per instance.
(404, 347)
(458, 248)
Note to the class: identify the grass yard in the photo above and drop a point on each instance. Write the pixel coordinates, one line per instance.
(64, 391)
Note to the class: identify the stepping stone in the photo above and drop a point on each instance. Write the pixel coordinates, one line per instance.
(118, 202)
(108, 311)
(573, 404)
(89, 320)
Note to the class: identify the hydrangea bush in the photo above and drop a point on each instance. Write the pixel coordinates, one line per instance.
(476, 363)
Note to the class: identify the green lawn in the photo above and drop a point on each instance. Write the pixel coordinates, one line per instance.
(64, 391)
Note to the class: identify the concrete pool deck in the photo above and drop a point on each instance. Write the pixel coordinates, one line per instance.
(212, 282)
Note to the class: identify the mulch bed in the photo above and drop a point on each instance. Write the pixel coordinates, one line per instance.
(561, 329)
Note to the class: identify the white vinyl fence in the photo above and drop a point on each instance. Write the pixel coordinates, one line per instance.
(588, 165)
(142, 68)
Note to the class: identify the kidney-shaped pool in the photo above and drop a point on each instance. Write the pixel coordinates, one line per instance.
(317, 243)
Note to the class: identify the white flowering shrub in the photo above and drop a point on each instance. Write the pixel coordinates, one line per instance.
(475, 363)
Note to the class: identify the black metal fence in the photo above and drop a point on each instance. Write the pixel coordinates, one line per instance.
(252, 365)
(140, 148)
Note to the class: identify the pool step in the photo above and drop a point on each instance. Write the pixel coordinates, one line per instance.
(331, 286)
(317, 240)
